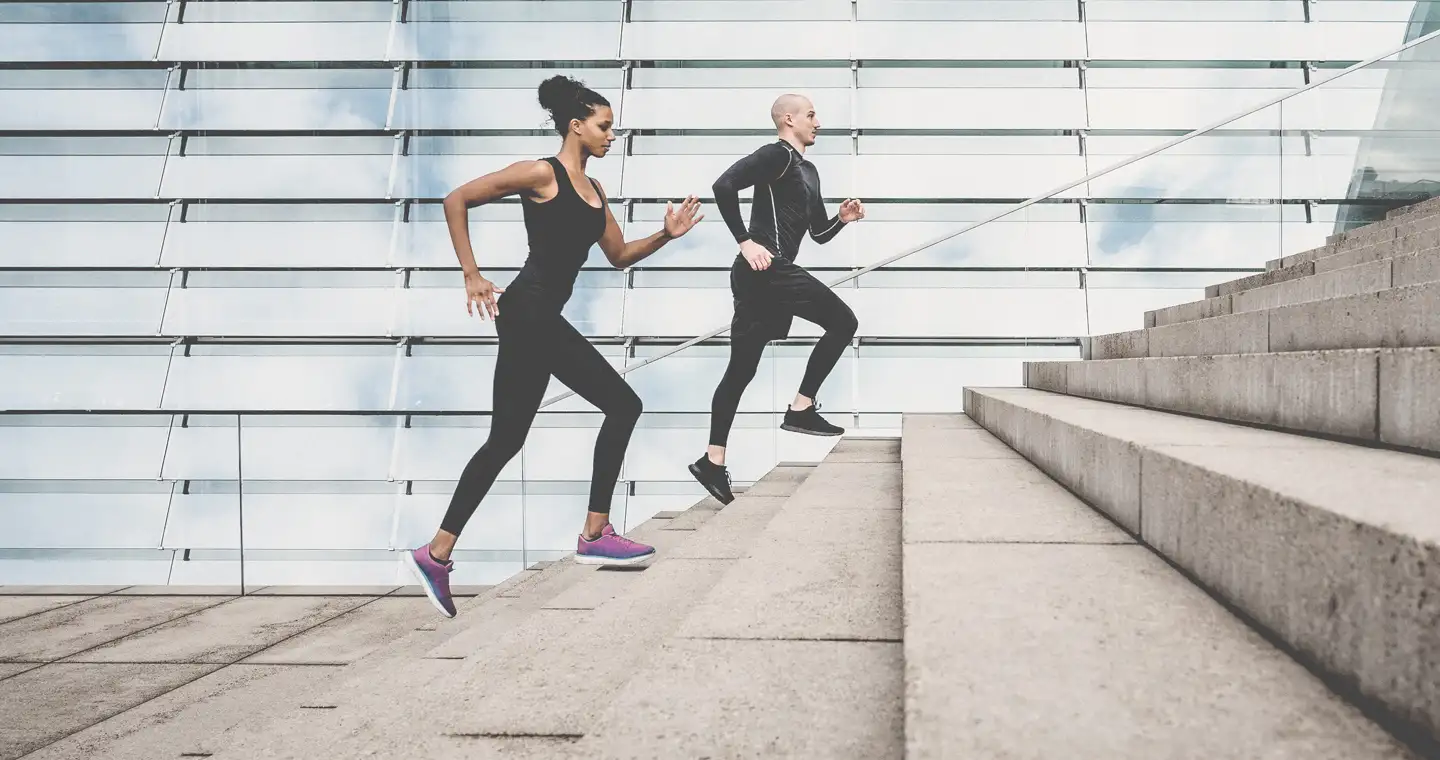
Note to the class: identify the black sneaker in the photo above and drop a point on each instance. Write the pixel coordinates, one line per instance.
(714, 477)
(809, 422)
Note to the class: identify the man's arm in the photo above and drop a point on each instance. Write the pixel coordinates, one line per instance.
(764, 165)
(823, 229)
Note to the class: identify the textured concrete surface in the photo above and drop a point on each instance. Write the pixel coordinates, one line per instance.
(964, 443)
(506, 693)
(1362, 278)
(349, 637)
(1124, 345)
(224, 633)
(1333, 547)
(751, 699)
(916, 422)
(51, 702)
(16, 607)
(1235, 334)
(1303, 269)
(1336, 549)
(74, 628)
(1416, 269)
(731, 533)
(1395, 318)
(855, 485)
(1212, 306)
(59, 590)
(1330, 392)
(1048, 376)
(850, 449)
(781, 481)
(983, 501)
(1410, 397)
(1100, 652)
(9, 669)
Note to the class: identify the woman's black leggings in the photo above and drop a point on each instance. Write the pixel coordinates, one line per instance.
(823, 308)
(535, 345)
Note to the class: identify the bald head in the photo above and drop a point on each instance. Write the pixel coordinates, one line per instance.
(791, 105)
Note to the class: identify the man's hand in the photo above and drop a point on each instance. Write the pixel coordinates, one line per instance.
(756, 254)
(480, 294)
(852, 211)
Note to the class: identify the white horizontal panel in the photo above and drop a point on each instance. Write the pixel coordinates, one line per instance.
(1193, 10)
(685, 382)
(1240, 40)
(313, 176)
(266, 383)
(79, 109)
(1188, 109)
(931, 384)
(1167, 176)
(458, 383)
(979, 40)
(82, 520)
(277, 244)
(663, 453)
(977, 176)
(208, 452)
(80, 453)
(81, 311)
(1337, 108)
(57, 569)
(80, 176)
(434, 176)
(998, 244)
(317, 453)
(732, 10)
(1162, 244)
(1115, 310)
(560, 453)
(712, 108)
(710, 243)
(497, 524)
(969, 312)
(302, 312)
(507, 41)
(204, 521)
(333, 109)
(78, 42)
(287, 41)
(1327, 177)
(969, 108)
(971, 10)
(737, 40)
(80, 244)
(440, 453)
(441, 312)
(81, 382)
(678, 176)
(456, 108)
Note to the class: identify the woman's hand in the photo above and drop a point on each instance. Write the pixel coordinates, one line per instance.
(679, 221)
(480, 293)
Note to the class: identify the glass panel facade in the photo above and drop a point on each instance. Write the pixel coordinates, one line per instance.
(227, 285)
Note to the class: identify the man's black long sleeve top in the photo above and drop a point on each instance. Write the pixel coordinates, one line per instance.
(787, 202)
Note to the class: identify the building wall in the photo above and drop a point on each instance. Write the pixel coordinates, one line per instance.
(225, 277)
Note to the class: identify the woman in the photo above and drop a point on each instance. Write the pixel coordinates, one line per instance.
(565, 214)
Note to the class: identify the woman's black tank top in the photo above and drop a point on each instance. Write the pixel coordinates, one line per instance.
(561, 232)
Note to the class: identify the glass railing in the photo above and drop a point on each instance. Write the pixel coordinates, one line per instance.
(201, 465)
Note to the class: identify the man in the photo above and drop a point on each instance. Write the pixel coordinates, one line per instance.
(769, 288)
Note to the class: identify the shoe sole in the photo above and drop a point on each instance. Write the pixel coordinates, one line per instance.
(425, 584)
(807, 431)
(588, 559)
(720, 497)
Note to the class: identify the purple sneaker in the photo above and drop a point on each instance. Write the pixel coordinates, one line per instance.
(611, 548)
(434, 578)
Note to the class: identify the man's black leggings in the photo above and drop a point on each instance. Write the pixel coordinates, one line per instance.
(534, 345)
(812, 302)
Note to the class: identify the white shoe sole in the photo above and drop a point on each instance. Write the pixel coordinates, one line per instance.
(584, 559)
(425, 584)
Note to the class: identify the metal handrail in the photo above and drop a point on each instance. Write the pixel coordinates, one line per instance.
(1045, 196)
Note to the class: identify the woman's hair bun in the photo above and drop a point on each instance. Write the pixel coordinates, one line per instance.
(558, 93)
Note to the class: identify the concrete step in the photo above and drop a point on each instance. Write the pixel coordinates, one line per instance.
(1389, 396)
(796, 651)
(1393, 318)
(1367, 277)
(1269, 277)
(234, 696)
(533, 684)
(1035, 627)
(1332, 549)
(1371, 243)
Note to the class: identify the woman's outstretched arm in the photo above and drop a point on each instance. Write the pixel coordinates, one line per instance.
(622, 254)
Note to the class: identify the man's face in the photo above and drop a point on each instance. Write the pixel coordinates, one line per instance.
(805, 123)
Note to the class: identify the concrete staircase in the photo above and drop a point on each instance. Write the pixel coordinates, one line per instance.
(1276, 443)
(938, 596)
